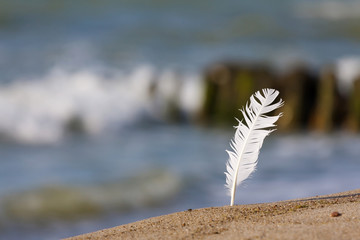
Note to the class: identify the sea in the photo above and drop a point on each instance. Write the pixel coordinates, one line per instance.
(86, 87)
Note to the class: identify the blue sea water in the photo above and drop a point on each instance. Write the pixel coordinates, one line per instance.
(114, 69)
(290, 166)
(38, 35)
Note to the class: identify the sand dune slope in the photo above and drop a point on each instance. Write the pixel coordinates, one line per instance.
(335, 216)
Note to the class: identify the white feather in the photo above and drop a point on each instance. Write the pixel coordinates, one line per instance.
(249, 137)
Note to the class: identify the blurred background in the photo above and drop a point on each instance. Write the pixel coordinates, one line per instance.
(115, 111)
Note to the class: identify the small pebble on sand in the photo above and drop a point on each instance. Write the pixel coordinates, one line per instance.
(335, 214)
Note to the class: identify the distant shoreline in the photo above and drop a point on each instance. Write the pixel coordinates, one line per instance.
(335, 216)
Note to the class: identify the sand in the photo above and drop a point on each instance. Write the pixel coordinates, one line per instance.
(335, 216)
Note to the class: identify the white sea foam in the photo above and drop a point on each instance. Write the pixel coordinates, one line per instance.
(39, 110)
(347, 71)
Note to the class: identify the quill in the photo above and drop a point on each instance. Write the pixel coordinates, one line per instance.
(249, 137)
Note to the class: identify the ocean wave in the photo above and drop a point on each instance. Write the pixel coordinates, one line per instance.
(329, 10)
(347, 71)
(50, 203)
(43, 110)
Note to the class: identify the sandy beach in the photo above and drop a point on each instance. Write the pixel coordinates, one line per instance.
(335, 216)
